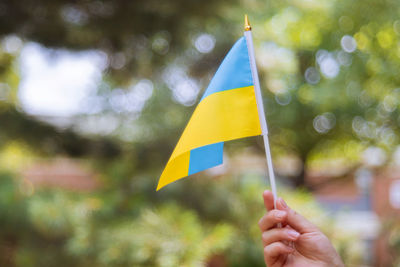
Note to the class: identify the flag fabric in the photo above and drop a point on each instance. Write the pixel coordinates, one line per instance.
(227, 111)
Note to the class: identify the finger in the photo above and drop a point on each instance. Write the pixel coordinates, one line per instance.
(295, 220)
(268, 200)
(279, 234)
(270, 219)
(276, 249)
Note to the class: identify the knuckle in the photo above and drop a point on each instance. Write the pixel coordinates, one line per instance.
(276, 215)
(260, 223)
(271, 214)
(267, 251)
(280, 246)
(292, 213)
(273, 249)
(264, 236)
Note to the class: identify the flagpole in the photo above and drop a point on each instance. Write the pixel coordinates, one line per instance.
(260, 107)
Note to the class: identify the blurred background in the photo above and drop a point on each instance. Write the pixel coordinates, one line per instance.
(94, 95)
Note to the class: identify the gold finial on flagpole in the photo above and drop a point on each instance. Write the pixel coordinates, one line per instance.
(247, 26)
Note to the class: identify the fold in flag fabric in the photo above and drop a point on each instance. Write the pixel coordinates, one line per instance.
(227, 111)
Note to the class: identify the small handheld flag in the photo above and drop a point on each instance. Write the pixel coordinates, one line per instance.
(230, 108)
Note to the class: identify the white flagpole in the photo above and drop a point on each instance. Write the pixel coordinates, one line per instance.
(260, 107)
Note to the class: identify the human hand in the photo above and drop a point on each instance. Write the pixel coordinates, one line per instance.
(297, 243)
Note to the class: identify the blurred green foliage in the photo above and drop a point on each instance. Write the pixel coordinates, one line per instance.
(58, 228)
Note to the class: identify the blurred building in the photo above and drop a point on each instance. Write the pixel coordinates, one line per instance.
(363, 206)
(61, 173)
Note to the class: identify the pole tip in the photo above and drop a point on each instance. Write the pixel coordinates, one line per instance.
(247, 26)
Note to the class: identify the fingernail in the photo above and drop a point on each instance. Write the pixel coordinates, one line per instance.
(283, 203)
(279, 214)
(293, 234)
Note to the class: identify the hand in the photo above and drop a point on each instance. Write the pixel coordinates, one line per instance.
(297, 243)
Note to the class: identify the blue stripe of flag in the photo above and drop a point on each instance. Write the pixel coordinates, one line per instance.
(234, 71)
(205, 157)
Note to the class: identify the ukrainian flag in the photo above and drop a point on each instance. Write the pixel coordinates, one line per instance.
(227, 111)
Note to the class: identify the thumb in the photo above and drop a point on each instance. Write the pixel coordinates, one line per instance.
(295, 220)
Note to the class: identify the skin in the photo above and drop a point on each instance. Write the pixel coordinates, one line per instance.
(297, 243)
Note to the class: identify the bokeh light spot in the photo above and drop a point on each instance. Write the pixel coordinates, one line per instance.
(348, 44)
(312, 75)
(323, 123)
(204, 43)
